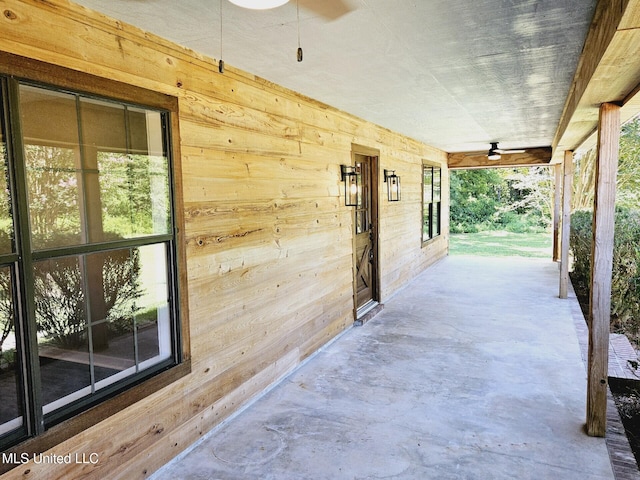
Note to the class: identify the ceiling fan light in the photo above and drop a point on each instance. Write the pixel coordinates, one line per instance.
(493, 154)
(259, 4)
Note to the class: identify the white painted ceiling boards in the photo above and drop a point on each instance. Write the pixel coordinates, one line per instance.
(455, 74)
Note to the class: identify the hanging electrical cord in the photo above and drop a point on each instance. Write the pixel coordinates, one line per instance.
(299, 47)
(221, 62)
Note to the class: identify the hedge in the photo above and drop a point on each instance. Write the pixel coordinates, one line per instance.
(625, 283)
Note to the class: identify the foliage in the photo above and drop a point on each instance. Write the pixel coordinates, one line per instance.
(628, 176)
(61, 289)
(516, 200)
(474, 198)
(531, 198)
(625, 283)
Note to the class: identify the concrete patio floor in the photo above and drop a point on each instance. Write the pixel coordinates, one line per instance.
(473, 371)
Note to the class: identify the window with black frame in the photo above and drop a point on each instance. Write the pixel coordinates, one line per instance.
(86, 186)
(431, 202)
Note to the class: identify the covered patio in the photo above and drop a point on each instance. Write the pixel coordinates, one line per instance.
(472, 371)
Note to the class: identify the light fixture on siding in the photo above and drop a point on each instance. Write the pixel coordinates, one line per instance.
(259, 4)
(351, 187)
(393, 185)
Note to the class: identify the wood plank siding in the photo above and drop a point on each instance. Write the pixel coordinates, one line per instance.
(267, 238)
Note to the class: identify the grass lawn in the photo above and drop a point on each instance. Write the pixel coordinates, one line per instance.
(501, 244)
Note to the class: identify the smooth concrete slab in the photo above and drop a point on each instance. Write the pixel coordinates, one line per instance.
(473, 371)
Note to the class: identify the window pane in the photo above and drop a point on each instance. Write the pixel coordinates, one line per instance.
(101, 317)
(427, 187)
(152, 317)
(131, 179)
(51, 155)
(436, 184)
(435, 221)
(63, 346)
(135, 194)
(135, 333)
(6, 223)
(10, 389)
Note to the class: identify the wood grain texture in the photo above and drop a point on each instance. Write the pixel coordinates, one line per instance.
(267, 241)
(608, 71)
(601, 268)
(567, 188)
(532, 156)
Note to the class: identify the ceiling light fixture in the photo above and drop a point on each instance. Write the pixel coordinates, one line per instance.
(493, 154)
(259, 4)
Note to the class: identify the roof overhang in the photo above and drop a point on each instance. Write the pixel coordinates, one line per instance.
(608, 72)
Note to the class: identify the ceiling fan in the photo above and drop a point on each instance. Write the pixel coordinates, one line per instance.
(495, 153)
(329, 9)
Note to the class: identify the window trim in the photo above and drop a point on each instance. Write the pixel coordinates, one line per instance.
(432, 238)
(33, 72)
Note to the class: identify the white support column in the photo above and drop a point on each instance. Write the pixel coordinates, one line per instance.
(601, 268)
(567, 188)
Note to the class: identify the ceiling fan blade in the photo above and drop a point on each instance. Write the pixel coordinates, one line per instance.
(329, 9)
(503, 152)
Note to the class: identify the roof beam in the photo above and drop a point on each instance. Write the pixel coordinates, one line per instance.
(531, 157)
(608, 72)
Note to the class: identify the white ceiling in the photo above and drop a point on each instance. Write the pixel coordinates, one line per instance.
(455, 74)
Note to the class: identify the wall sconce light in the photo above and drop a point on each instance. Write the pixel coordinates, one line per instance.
(351, 187)
(393, 185)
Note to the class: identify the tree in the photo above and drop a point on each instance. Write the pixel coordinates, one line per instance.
(475, 197)
(628, 177)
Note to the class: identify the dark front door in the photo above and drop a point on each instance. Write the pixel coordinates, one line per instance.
(365, 232)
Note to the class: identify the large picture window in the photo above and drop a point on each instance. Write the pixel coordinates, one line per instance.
(431, 202)
(88, 285)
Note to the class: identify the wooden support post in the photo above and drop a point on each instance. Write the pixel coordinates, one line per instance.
(557, 169)
(601, 268)
(567, 188)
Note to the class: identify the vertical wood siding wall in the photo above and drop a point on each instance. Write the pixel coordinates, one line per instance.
(268, 238)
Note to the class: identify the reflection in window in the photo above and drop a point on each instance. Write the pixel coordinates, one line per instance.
(363, 223)
(51, 160)
(102, 175)
(93, 333)
(10, 403)
(6, 218)
(99, 246)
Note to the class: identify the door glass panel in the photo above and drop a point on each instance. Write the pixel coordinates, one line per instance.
(11, 414)
(363, 207)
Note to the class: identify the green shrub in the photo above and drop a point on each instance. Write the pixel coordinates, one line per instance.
(625, 281)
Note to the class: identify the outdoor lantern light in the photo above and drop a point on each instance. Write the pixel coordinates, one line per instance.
(393, 185)
(351, 187)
